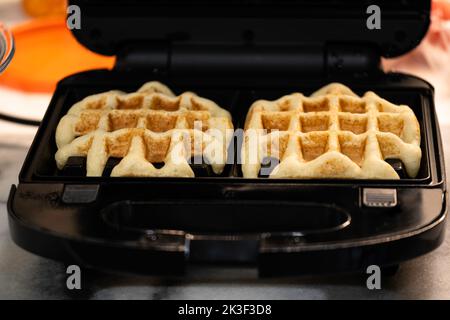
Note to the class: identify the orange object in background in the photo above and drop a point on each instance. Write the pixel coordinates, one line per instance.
(46, 52)
(442, 8)
(45, 8)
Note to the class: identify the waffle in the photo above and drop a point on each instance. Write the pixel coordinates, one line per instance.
(148, 127)
(332, 134)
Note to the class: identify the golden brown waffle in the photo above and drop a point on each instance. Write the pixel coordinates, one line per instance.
(331, 134)
(143, 128)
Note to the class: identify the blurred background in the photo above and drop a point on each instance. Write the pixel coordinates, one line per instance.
(45, 52)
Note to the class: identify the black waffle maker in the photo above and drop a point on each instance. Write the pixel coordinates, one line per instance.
(235, 52)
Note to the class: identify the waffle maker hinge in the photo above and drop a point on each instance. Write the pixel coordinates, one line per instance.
(250, 60)
(358, 60)
(153, 57)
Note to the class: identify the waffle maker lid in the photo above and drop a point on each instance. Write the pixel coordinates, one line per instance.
(107, 27)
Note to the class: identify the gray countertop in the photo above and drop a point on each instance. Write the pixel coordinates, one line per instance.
(27, 276)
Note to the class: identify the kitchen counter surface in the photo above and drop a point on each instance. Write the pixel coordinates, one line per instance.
(27, 276)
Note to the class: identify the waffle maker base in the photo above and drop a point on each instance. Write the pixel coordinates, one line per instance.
(281, 227)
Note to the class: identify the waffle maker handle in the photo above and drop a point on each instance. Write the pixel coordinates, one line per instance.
(226, 234)
(163, 236)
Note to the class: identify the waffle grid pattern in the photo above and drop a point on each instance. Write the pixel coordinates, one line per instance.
(143, 128)
(332, 134)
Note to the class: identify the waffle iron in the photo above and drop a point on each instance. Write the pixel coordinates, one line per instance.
(235, 52)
